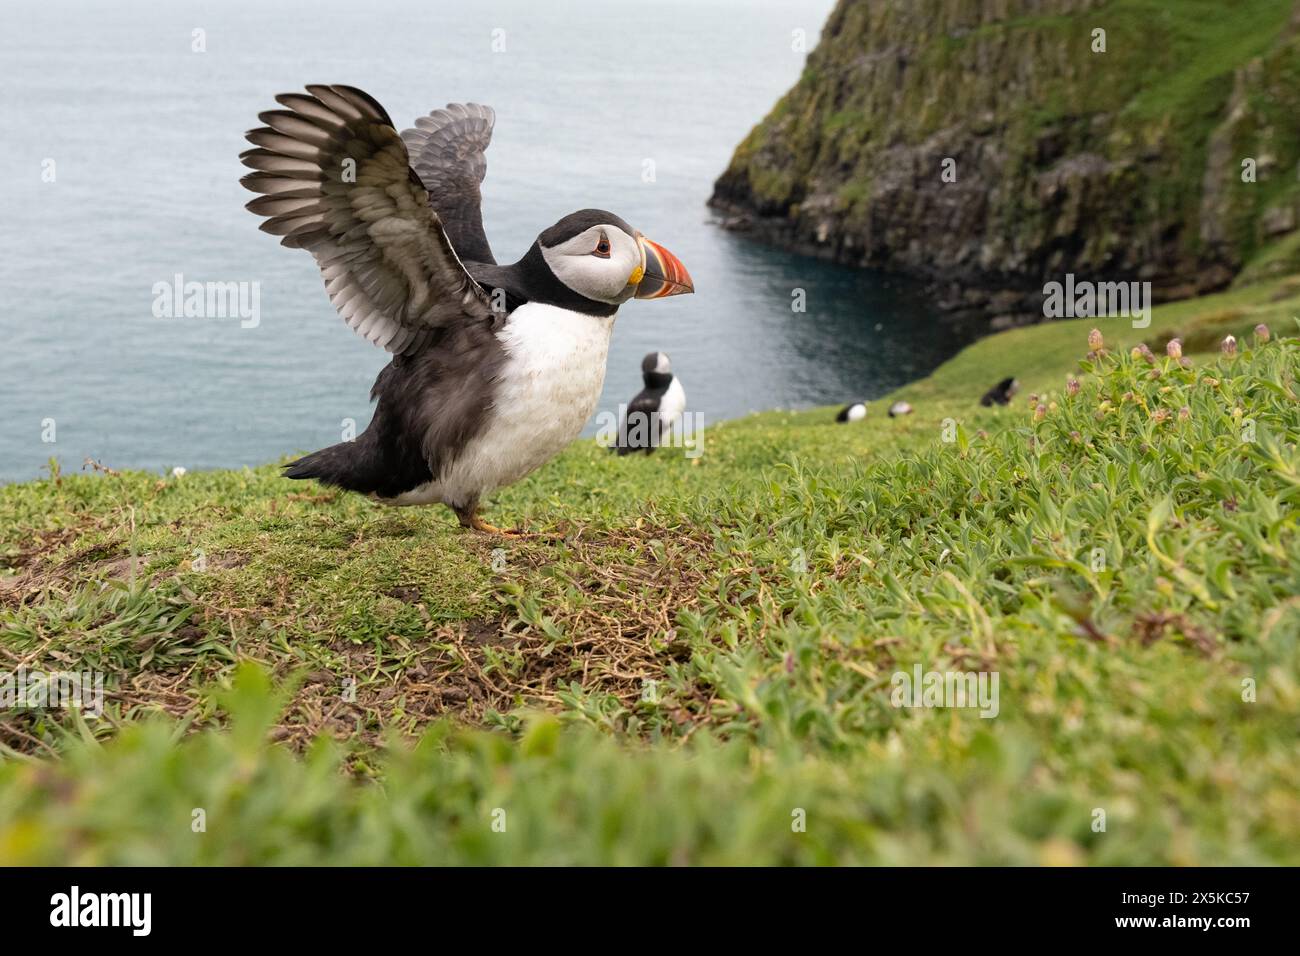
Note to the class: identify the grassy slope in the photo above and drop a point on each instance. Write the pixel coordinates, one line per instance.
(709, 652)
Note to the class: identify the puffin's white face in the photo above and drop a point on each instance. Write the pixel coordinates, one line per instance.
(602, 263)
(656, 363)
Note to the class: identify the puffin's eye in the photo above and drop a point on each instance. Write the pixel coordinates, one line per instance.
(602, 247)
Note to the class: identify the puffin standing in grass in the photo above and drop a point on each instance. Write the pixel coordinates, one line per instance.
(852, 413)
(1001, 393)
(655, 411)
(495, 368)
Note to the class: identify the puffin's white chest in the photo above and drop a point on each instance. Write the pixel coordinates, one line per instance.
(552, 378)
(549, 387)
(671, 407)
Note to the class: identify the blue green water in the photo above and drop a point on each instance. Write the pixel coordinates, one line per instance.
(144, 134)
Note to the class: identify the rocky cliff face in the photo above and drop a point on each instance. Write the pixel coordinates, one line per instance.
(995, 145)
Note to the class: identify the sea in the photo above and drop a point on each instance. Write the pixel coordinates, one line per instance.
(119, 177)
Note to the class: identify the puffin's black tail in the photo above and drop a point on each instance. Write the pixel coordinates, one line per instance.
(356, 465)
(335, 465)
(367, 464)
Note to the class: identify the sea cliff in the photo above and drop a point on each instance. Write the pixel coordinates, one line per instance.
(991, 147)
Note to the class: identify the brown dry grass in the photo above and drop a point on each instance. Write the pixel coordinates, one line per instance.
(610, 606)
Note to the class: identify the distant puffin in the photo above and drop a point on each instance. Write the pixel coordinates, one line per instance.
(852, 413)
(899, 409)
(1000, 394)
(655, 411)
(495, 368)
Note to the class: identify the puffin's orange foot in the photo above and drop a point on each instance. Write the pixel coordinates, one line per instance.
(478, 524)
(518, 534)
(469, 518)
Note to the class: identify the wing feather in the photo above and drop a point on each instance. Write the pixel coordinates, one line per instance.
(336, 179)
(447, 150)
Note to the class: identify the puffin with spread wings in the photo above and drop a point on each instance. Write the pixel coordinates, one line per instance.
(495, 368)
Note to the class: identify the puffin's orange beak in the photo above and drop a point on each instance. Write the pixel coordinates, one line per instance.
(662, 272)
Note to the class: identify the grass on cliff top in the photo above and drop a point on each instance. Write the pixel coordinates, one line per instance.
(701, 671)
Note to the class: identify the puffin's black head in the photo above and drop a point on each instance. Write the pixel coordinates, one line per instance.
(599, 256)
(656, 370)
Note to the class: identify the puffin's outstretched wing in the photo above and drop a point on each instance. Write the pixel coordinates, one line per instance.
(447, 148)
(337, 182)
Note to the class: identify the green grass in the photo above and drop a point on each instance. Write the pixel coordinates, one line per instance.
(701, 670)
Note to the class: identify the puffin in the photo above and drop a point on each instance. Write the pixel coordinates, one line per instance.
(655, 410)
(495, 368)
(852, 413)
(1000, 394)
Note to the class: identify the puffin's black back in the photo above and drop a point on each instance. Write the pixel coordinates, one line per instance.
(647, 401)
(634, 434)
(999, 394)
